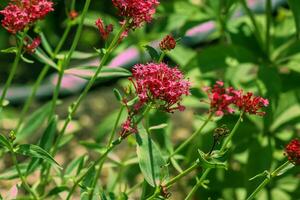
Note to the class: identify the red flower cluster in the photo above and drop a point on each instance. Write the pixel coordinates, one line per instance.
(21, 13)
(250, 103)
(222, 99)
(138, 11)
(292, 151)
(168, 43)
(30, 47)
(104, 30)
(160, 84)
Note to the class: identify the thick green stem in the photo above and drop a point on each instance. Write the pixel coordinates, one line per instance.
(192, 137)
(229, 137)
(23, 179)
(267, 180)
(13, 70)
(199, 183)
(155, 194)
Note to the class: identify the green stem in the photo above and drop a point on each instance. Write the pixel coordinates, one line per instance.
(108, 145)
(162, 55)
(67, 60)
(229, 137)
(24, 182)
(13, 70)
(157, 192)
(268, 23)
(40, 79)
(91, 82)
(100, 159)
(199, 183)
(253, 21)
(31, 97)
(183, 174)
(267, 180)
(195, 134)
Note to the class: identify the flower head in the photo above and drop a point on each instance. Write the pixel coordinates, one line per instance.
(137, 11)
(30, 47)
(223, 99)
(15, 18)
(168, 43)
(250, 104)
(160, 84)
(21, 13)
(220, 98)
(292, 151)
(104, 30)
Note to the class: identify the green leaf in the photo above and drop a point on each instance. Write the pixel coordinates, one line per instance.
(150, 158)
(34, 122)
(74, 168)
(105, 74)
(4, 142)
(45, 43)
(210, 163)
(152, 52)
(36, 152)
(157, 127)
(42, 57)
(26, 60)
(49, 134)
(295, 7)
(57, 190)
(77, 55)
(10, 50)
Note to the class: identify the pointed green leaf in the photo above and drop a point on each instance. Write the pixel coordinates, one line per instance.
(36, 152)
(106, 73)
(295, 7)
(152, 52)
(150, 158)
(57, 190)
(4, 142)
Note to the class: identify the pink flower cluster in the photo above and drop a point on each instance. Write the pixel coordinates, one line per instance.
(161, 84)
(21, 13)
(104, 30)
(292, 151)
(224, 100)
(137, 11)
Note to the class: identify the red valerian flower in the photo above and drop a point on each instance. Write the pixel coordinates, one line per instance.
(160, 84)
(220, 98)
(137, 11)
(15, 18)
(168, 43)
(104, 30)
(223, 99)
(21, 13)
(30, 47)
(250, 104)
(37, 9)
(292, 151)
